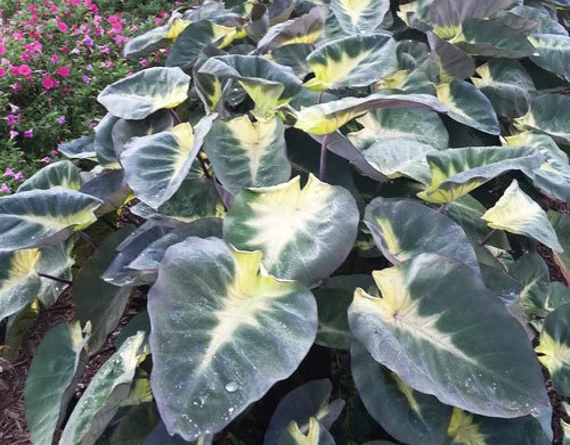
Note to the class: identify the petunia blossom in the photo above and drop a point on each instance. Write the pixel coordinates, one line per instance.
(4, 188)
(62, 26)
(46, 160)
(13, 134)
(61, 120)
(9, 172)
(48, 83)
(29, 134)
(86, 80)
(19, 176)
(63, 71)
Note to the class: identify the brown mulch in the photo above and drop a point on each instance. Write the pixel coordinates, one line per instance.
(13, 430)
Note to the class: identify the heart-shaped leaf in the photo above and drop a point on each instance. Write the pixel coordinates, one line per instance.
(145, 92)
(42, 217)
(360, 17)
(406, 229)
(352, 62)
(217, 323)
(248, 154)
(430, 312)
(61, 173)
(458, 172)
(303, 233)
(516, 212)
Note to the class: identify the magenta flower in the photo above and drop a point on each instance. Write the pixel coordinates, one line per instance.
(63, 71)
(86, 80)
(25, 71)
(13, 134)
(48, 83)
(54, 59)
(11, 120)
(2, 50)
(61, 120)
(4, 188)
(26, 56)
(9, 172)
(144, 63)
(2, 72)
(15, 86)
(46, 160)
(19, 176)
(62, 26)
(29, 134)
(54, 152)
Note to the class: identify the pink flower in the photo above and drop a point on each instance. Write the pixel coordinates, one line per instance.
(2, 50)
(53, 8)
(13, 134)
(19, 176)
(54, 58)
(15, 87)
(119, 39)
(25, 71)
(26, 56)
(54, 153)
(61, 120)
(9, 172)
(105, 49)
(48, 83)
(15, 70)
(144, 63)
(64, 49)
(86, 79)
(11, 120)
(158, 21)
(5, 189)
(63, 71)
(29, 134)
(62, 26)
(46, 160)
(2, 72)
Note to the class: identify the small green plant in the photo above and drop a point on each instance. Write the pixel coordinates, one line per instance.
(317, 200)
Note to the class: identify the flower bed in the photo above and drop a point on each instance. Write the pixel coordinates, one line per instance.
(55, 56)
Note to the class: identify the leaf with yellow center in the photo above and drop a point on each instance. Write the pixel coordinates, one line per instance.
(218, 322)
(430, 310)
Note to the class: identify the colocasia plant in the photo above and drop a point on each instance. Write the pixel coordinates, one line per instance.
(311, 201)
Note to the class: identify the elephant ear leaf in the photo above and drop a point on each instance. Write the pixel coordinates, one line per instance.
(405, 229)
(328, 117)
(453, 63)
(468, 106)
(507, 85)
(361, 16)
(38, 218)
(61, 173)
(102, 398)
(554, 348)
(356, 61)
(455, 173)
(19, 281)
(302, 30)
(548, 114)
(145, 92)
(438, 306)
(316, 435)
(517, 213)
(57, 364)
(218, 323)
(267, 83)
(156, 165)
(304, 234)
(310, 400)
(248, 154)
(408, 415)
(552, 53)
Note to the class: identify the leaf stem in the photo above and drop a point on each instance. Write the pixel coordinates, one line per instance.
(323, 161)
(443, 208)
(204, 166)
(51, 277)
(488, 237)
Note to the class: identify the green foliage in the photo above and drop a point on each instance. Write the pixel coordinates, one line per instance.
(377, 196)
